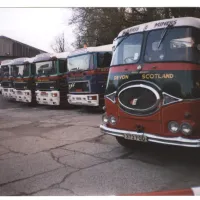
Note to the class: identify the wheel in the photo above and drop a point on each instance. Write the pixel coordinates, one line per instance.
(130, 144)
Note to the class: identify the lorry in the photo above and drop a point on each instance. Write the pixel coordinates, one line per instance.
(7, 80)
(24, 80)
(153, 87)
(87, 75)
(51, 82)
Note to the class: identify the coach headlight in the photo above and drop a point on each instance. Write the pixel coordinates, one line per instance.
(113, 120)
(173, 127)
(186, 129)
(105, 119)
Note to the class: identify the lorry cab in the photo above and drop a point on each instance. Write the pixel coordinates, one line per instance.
(153, 88)
(51, 83)
(24, 82)
(88, 71)
(7, 80)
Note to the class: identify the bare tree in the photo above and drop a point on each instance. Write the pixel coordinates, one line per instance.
(60, 44)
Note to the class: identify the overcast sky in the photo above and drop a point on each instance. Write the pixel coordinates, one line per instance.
(36, 26)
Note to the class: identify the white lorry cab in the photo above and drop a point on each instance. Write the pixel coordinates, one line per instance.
(24, 80)
(7, 79)
(51, 82)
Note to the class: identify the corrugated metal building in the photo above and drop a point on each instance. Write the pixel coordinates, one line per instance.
(10, 49)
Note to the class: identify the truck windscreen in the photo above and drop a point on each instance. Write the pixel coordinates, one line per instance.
(128, 50)
(178, 44)
(48, 67)
(4, 70)
(80, 62)
(20, 70)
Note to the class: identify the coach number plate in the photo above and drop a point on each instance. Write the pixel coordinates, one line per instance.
(140, 138)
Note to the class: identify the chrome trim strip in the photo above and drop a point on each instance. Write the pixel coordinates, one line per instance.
(140, 82)
(178, 99)
(177, 141)
(108, 95)
(142, 86)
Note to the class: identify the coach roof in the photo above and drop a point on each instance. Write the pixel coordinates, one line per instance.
(103, 48)
(6, 62)
(29, 60)
(176, 22)
(19, 61)
(62, 55)
(50, 56)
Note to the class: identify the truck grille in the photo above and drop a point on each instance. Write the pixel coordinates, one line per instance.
(20, 86)
(46, 85)
(139, 99)
(6, 84)
(79, 87)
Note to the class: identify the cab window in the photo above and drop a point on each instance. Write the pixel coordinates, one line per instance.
(62, 66)
(104, 59)
(33, 69)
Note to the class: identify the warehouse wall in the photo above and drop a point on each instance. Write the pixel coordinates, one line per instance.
(10, 49)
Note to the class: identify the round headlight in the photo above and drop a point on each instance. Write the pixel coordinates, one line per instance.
(113, 120)
(105, 119)
(186, 129)
(173, 127)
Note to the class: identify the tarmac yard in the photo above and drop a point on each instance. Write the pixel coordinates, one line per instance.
(50, 151)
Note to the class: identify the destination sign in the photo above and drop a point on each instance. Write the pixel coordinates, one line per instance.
(183, 21)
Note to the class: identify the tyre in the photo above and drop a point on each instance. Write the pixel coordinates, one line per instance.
(130, 144)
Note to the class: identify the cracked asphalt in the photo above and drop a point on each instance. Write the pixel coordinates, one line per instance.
(49, 151)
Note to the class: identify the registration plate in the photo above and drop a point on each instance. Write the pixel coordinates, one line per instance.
(78, 98)
(44, 94)
(140, 138)
(19, 92)
(6, 90)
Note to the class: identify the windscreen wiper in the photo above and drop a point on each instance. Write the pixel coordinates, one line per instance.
(38, 74)
(46, 72)
(125, 36)
(164, 34)
(74, 69)
(6, 75)
(20, 75)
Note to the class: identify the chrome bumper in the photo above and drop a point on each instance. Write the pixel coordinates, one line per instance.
(8, 93)
(82, 99)
(49, 99)
(23, 96)
(177, 141)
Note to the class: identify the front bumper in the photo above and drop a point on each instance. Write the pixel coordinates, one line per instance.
(177, 141)
(23, 96)
(49, 98)
(83, 99)
(8, 93)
